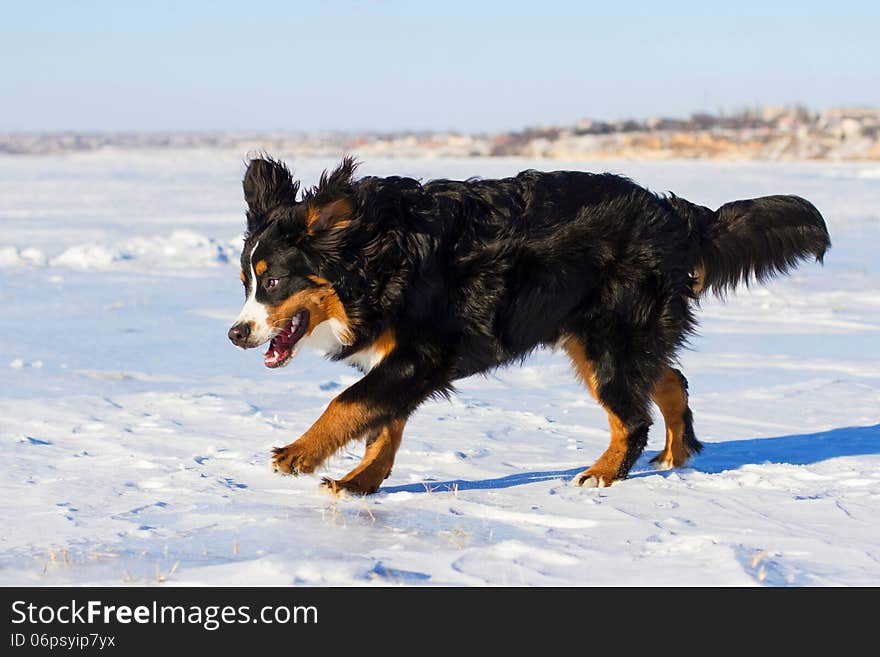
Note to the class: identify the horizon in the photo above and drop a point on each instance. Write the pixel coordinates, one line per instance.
(466, 68)
(721, 113)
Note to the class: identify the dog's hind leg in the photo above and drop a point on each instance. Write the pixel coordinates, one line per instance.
(671, 395)
(627, 417)
(376, 465)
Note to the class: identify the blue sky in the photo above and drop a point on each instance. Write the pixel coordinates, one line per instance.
(468, 66)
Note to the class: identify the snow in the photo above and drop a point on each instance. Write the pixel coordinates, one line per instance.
(12, 257)
(180, 250)
(136, 439)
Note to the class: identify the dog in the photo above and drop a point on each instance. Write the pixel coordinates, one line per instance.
(421, 284)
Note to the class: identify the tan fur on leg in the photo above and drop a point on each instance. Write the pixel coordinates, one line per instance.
(671, 397)
(604, 471)
(375, 466)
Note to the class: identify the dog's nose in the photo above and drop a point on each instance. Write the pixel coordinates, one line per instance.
(239, 334)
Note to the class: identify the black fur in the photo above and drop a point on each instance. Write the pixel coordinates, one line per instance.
(754, 239)
(268, 187)
(691, 444)
(471, 275)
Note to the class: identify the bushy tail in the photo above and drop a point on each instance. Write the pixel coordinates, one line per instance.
(755, 239)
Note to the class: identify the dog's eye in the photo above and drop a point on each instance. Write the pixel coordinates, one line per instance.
(271, 282)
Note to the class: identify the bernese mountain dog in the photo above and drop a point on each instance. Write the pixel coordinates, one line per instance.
(419, 284)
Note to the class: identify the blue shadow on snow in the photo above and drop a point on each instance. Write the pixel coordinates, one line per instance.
(799, 449)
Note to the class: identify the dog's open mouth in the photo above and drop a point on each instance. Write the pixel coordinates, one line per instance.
(281, 347)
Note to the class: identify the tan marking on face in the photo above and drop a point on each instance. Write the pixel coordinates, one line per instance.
(322, 303)
(260, 268)
(241, 276)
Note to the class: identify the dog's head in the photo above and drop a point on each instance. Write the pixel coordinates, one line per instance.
(286, 299)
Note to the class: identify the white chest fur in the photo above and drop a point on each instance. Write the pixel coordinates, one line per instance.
(366, 359)
(328, 338)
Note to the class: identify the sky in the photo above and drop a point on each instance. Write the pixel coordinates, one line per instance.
(386, 66)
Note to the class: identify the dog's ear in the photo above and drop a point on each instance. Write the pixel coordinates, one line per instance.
(330, 202)
(340, 178)
(267, 184)
(333, 214)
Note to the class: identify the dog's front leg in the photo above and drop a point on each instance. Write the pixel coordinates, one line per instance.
(387, 394)
(341, 422)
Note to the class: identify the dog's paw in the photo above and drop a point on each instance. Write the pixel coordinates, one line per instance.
(351, 487)
(592, 478)
(663, 461)
(667, 459)
(292, 459)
